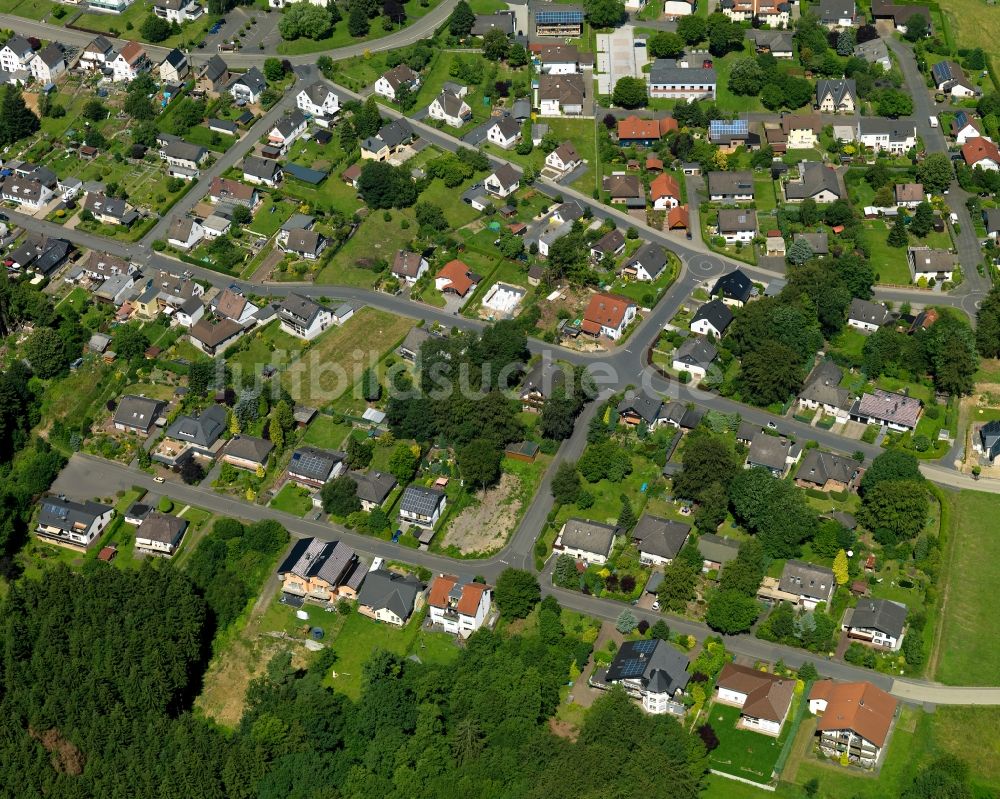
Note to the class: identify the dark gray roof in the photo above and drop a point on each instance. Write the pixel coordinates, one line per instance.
(588, 536)
(696, 351)
(318, 91)
(373, 486)
(54, 253)
(895, 129)
(659, 536)
(175, 58)
(880, 614)
(287, 125)
(420, 500)
(509, 127)
(161, 527)
(989, 437)
(299, 309)
(747, 430)
(390, 590)
(666, 71)
(263, 168)
(52, 54)
(833, 10)
(214, 68)
(304, 241)
(136, 411)
(717, 313)
(837, 89)
(653, 258)
(65, 514)
(807, 579)
(543, 378)
(333, 561)
(202, 430)
(864, 311)
(252, 79)
(249, 448)
(314, 464)
(769, 451)
(450, 102)
(175, 147)
(306, 174)
(730, 183)
(507, 176)
(655, 663)
(718, 549)
(737, 220)
(816, 177)
(819, 243)
(640, 403)
(818, 467)
(733, 286)
(991, 216)
(501, 20)
(610, 242)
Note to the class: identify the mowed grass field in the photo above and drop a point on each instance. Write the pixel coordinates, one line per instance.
(969, 654)
(337, 358)
(975, 23)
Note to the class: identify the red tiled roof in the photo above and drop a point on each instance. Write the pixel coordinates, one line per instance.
(458, 276)
(677, 218)
(605, 310)
(979, 149)
(131, 52)
(856, 706)
(634, 128)
(468, 602)
(664, 185)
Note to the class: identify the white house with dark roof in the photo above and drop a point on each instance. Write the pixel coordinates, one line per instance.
(504, 132)
(652, 671)
(308, 244)
(838, 13)
(422, 506)
(179, 11)
(648, 262)
(137, 414)
(450, 107)
(319, 100)
(737, 225)
(75, 525)
(287, 129)
(185, 233)
(585, 540)
(731, 187)
(262, 171)
(560, 95)
(734, 288)
(409, 267)
(659, 540)
(395, 79)
(764, 699)
(815, 181)
(96, 54)
(895, 136)
(248, 87)
(389, 597)
(174, 68)
(503, 182)
(48, 63)
(928, 264)
(313, 467)
(837, 96)
(160, 534)
(695, 356)
(773, 453)
(16, 54)
(811, 584)
(669, 79)
(712, 319)
(878, 623)
(302, 317)
(866, 316)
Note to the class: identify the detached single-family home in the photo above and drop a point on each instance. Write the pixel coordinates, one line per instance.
(213, 336)
(608, 315)
(585, 540)
(130, 62)
(248, 87)
(965, 126)
(611, 244)
(318, 100)
(778, 43)
(389, 139)
(459, 608)
(302, 317)
(321, 571)
(855, 718)
(888, 409)
(564, 158)
(981, 152)
(695, 356)
(409, 267)
(178, 11)
(648, 262)
(930, 264)
(95, 55)
(734, 288)
(29, 193)
(908, 195)
(504, 132)
(374, 488)
(625, 189)
(737, 226)
(827, 471)
(950, 78)
(214, 76)
(287, 129)
(875, 52)
(899, 14)
(455, 277)
(503, 182)
(185, 233)
(866, 316)
(174, 68)
(193, 435)
(109, 210)
(636, 132)
(712, 319)
(160, 534)
(75, 525)
(652, 671)
(838, 13)
(669, 80)
(895, 136)
(450, 108)
(313, 467)
(16, 54)
(247, 452)
(716, 551)
(808, 583)
(48, 63)
(422, 506)
(638, 407)
(822, 390)
(389, 597)
(878, 623)
(730, 187)
(539, 383)
(773, 453)
(137, 414)
(838, 96)
(664, 192)
(182, 158)
(395, 79)
(991, 218)
(763, 699)
(659, 540)
(816, 182)
(560, 95)
(262, 171)
(232, 192)
(308, 244)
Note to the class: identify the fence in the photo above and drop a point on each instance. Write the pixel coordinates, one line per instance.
(793, 731)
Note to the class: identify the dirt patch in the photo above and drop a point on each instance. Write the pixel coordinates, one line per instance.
(564, 729)
(66, 757)
(974, 411)
(573, 301)
(484, 526)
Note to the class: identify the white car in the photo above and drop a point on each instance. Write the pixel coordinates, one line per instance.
(158, 480)
(656, 605)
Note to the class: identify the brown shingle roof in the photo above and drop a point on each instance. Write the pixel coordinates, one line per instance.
(857, 706)
(768, 695)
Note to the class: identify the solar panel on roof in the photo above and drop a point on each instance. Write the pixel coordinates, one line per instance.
(728, 126)
(559, 16)
(645, 647)
(633, 668)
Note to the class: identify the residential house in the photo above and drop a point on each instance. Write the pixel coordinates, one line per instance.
(389, 597)
(564, 158)
(389, 139)
(374, 488)
(665, 192)
(52, 254)
(503, 182)
(778, 43)
(894, 136)
(130, 62)
(965, 126)
(504, 132)
(179, 11)
(136, 414)
(635, 132)
(695, 355)
(214, 76)
(930, 264)
(878, 623)
(213, 336)
(230, 303)
(504, 21)
(670, 81)
(648, 262)
(186, 157)
(678, 8)
(585, 540)
(819, 243)
(188, 313)
(874, 52)
(287, 129)
(949, 78)
(734, 288)
(109, 210)
(29, 193)
(422, 507)
(981, 152)
(712, 319)
(409, 267)
(394, 80)
(302, 317)
(730, 187)
(856, 719)
(838, 13)
(185, 233)
(728, 134)
(262, 171)
(716, 551)
(95, 55)
(102, 265)
(807, 583)
(827, 471)
(247, 452)
(48, 63)
(560, 95)
(625, 190)
(193, 435)
(866, 316)
(774, 453)
(908, 195)
(888, 409)
(773, 13)
(659, 540)
(232, 192)
(608, 315)
(75, 525)
(160, 534)
(737, 226)
(456, 278)
(638, 407)
(312, 467)
(16, 54)
(174, 68)
(115, 290)
(318, 100)
(651, 671)
(450, 108)
(307, 244)
(816, 182)
(764, 699)
(610, 244)
(991, 219)
(247, 88)
(322, 571)
(539, 383)
(459, 608)
(839, 96)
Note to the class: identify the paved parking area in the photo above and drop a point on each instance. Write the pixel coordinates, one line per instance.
(618, 57)
(263, 31)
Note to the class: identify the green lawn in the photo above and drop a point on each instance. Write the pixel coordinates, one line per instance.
(341, 37)
(268, 345)
(850, 342)
(375, 239)
(210, 139)
(360, 636)
(764, 197)
(648, 294)
(325, 433)
(968, 653)
(457, 213)
(292, 499)
(890, 262)
(271, 216)
(744, 753)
